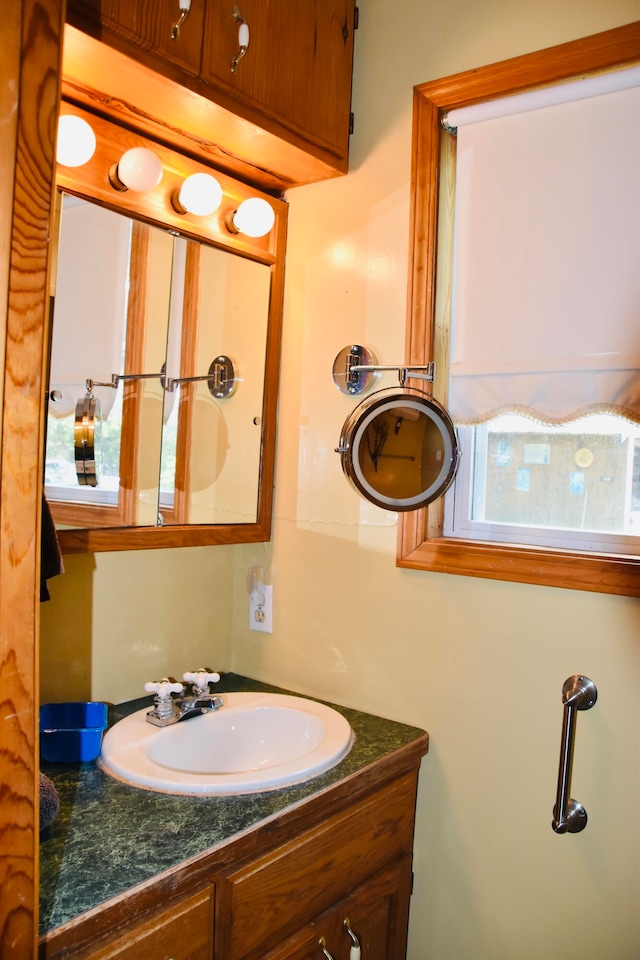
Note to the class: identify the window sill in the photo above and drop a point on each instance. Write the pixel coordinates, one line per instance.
(599, 573)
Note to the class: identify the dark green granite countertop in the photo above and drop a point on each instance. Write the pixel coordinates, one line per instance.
(109, 837)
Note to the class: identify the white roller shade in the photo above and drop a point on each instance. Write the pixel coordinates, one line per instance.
(90, 303)
(547, 288)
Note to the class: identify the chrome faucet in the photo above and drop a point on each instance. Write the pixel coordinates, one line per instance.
(167, 709)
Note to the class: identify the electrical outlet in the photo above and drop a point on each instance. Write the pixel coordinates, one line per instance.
(261, 615)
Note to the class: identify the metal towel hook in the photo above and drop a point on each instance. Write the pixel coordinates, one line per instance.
(578, 693)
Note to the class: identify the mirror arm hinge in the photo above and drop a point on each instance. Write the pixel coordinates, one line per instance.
(351, 123)
(356, 17)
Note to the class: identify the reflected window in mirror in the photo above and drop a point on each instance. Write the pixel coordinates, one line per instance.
(110, 315)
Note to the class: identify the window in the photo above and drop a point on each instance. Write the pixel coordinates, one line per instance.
(575, 486)
(484, 534)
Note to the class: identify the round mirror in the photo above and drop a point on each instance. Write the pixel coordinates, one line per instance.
(399, 449)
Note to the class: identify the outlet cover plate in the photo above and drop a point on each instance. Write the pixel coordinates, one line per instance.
(261, 617)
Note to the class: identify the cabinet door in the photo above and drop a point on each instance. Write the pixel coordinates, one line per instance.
(264, 901)
(376, 913)
(297, 66)
(144, 27)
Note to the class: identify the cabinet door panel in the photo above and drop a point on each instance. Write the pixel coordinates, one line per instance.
(144, 26)
(377, 913)
(297, 67)
(272, 896)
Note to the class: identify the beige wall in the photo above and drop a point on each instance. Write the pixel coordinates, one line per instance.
(116, 620)
(480, 664)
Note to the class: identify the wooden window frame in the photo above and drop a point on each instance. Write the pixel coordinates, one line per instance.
(421, 544)
(85, 513)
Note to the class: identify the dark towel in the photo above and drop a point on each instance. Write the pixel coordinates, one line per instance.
(50, 554)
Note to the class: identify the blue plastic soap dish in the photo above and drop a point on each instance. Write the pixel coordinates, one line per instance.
(72, 732)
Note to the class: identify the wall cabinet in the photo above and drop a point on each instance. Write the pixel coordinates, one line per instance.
(278, 891)
(293, 82)
(297, 68)
(145, 28)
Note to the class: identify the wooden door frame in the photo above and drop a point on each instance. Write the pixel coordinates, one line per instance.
(30, 38)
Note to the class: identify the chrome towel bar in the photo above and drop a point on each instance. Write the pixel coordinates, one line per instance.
(578, 693)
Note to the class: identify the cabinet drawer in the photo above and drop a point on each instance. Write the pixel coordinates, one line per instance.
(377, 912)
(182, 931)
(271, 897)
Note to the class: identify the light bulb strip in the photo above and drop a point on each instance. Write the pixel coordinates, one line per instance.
(99, 180)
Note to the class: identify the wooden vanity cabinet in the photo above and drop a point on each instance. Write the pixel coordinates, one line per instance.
(279, 893)
(279, 888)
(294, 81)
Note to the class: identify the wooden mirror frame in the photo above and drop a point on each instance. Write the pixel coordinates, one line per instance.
(91, 183)
(421, 544)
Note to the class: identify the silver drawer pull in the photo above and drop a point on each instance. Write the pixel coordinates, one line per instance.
(355, 952)
(578, 693)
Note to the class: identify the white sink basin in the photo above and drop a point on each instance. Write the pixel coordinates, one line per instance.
(255, 742)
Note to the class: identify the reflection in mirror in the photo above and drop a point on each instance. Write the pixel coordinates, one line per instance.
(133, 301)
(110, 315)
(399, 449)
(211, 444)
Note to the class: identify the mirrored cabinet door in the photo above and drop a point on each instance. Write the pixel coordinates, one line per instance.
(212, 434)
(157, 376)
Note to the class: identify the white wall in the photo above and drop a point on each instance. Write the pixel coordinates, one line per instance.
(480, 664)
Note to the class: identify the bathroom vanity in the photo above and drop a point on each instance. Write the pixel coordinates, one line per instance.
(316, 869)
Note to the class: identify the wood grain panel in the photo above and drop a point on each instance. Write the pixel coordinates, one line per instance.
(377, 913)
(297, 67)
(173, 107)
(145, 26)
(29, 77)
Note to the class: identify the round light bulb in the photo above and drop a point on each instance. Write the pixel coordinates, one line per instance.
(200, 194)
(139, 169)
(76, 141)
(254, 217)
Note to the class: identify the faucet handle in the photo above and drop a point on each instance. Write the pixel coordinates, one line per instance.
(201, 680)
(163, 688)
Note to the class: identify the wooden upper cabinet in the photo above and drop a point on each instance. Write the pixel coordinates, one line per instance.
(296, 68)
(293, 83)
(146, 27)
